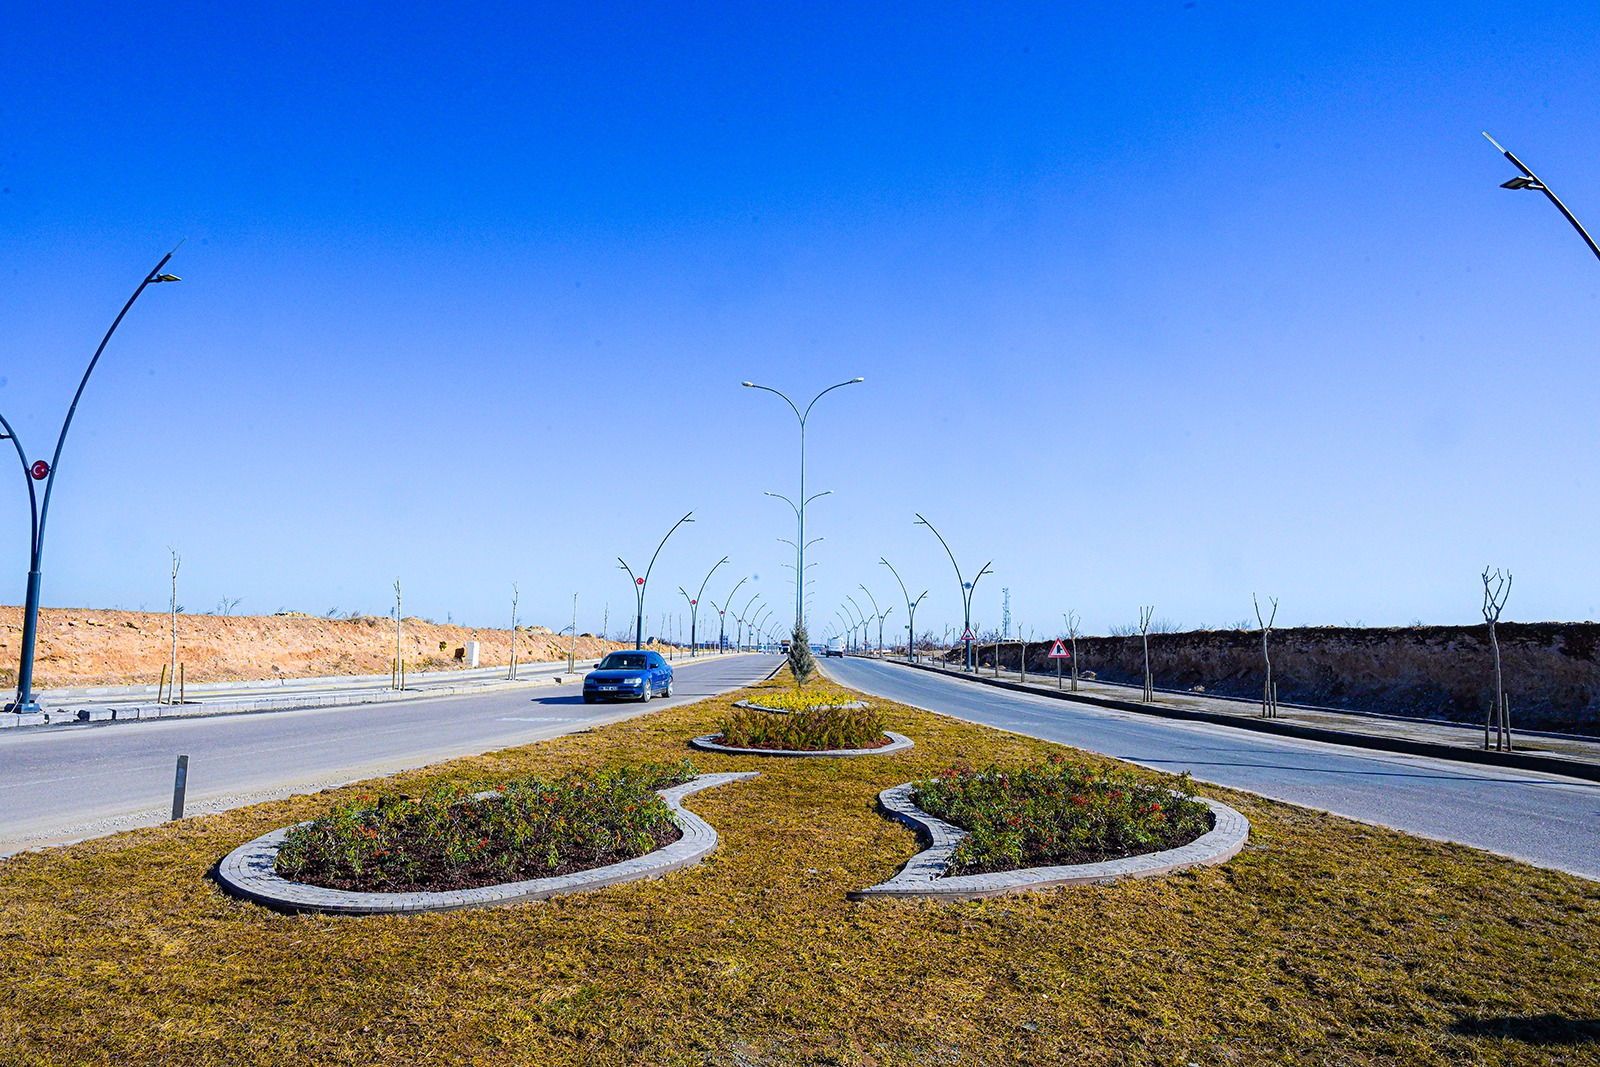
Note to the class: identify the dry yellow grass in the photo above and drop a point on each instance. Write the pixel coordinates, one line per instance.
(1325, 942)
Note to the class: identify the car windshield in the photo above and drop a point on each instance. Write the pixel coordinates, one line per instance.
(623, 661)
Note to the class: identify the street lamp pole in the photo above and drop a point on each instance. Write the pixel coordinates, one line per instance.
(640, 583)
(40, 471)
(966, 590)
(722, 615)
(879, 614)
(800, 512)
(859, 620)
(911, 612)
(694, 602)
(1530, 180)
(744, 617)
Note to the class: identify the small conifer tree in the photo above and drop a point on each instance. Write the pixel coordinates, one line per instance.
(801, 663)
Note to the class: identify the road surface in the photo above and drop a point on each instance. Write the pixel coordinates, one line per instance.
(1543, 819)
(66, 783)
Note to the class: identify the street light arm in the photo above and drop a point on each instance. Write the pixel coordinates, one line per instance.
(924, 522)
(822, 394)
(33, 494)
(786, 400)
(155, 276)
(817, 496)
(1534, 183)
(986, 570)
(663, 544)
(786, 500)
(709, 573)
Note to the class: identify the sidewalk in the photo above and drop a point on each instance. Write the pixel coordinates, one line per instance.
(1557, 753)
(137, 703)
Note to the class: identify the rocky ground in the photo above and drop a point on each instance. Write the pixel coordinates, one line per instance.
(85, 646)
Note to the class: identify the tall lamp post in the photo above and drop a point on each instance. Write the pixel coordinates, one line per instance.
(861, 621)
(800, 512)
(694, 604)
(40, 471)
(880, 614)
(639, 584)
(966, 590)
(1529, 180)
(722, 615)
(911, 612)
(744, 617)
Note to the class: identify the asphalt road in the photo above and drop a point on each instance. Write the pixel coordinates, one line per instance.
(1543, 819)
(66, 783)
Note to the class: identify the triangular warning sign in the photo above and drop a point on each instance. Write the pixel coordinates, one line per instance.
(1059, 651)
(966, 635)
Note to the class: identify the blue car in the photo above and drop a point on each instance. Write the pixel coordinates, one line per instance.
(636, 675)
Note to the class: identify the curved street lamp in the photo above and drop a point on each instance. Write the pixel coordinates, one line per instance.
(694, 606)
(639, 584)
(40, 471)
(911, 612)
(800, 512)
(1530, 180)
(966, 590)
(744, 617)
(722, 615)
(880, 614)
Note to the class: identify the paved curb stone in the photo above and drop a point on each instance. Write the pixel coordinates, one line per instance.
(922, 876)
(897, 743)
(247, 871)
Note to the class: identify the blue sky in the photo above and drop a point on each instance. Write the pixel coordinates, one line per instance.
(1157, 304)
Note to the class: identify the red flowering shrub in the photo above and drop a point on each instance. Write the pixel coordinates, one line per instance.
(1055, 812)
(457, 837)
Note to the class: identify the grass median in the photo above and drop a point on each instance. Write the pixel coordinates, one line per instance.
(1324, 942)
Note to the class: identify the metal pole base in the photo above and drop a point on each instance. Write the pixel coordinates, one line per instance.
(29, 708)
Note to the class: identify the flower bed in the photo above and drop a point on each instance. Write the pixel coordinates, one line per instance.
(1054, 813)
(815, 699)
(455, 838)
(805, 730)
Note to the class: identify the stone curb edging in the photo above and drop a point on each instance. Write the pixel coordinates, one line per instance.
(898, 743)
(921, 877)
(1526, 761)
(753, 706)
(247, 871)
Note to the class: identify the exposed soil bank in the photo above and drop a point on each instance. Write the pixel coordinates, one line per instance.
(1552, 675)
(85, 646)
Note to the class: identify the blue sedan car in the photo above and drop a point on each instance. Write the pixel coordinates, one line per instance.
(636, 675)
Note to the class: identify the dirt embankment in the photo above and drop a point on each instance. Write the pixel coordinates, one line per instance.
(1551, 672)
(83, 646)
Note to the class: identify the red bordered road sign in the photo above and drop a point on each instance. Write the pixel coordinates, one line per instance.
(1059, 651)
(966, 635)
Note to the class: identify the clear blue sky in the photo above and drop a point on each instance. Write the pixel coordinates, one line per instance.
(1157, 304)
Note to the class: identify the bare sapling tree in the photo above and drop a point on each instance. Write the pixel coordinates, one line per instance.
(398, 681)
(1269, 691)
(1145, 614)
(1496, 588)
(512, 673)
(1025, 639)
(177, 561)
(1071, 619)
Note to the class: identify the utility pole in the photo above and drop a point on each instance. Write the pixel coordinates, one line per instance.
(513, 672)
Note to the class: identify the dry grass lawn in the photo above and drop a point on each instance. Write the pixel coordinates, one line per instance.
(1325, 942)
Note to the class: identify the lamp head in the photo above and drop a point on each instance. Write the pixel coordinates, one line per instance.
(748, 385)
(165, 278)
(1521, 182)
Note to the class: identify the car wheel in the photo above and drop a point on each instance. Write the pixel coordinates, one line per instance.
(589, 698)
(646, 694)
(669, 689)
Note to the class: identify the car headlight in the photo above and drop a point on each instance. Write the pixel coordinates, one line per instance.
(632, 681)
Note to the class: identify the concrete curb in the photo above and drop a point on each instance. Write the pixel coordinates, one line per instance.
(922, 876)
(247, 871)
(1521, 760)
(898, 743)
(348, 698)
(751, 705)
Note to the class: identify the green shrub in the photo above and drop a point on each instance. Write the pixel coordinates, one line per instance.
(458, 836)
(809, 730)
(1055, 813)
